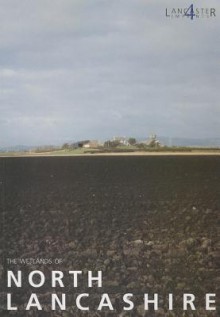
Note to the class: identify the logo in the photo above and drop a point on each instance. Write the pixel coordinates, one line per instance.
(191, 13)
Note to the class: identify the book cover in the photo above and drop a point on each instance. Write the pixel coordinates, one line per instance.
(109, 158)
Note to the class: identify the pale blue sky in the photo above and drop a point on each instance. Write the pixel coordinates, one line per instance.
(76, 69)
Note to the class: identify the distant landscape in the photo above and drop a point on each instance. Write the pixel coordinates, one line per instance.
(117, 145)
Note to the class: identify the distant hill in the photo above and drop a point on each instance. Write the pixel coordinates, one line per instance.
(191, 142)
(208, 142)
(16, 148)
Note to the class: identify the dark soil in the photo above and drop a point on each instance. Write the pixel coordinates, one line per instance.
(151, 224)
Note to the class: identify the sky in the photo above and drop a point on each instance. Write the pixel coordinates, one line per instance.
(94, 69)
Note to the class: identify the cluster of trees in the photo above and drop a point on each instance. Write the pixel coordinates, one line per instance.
(153, 143)
(115, 143)
(70, 146)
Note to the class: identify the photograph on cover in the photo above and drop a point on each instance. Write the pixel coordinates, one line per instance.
(109, 158)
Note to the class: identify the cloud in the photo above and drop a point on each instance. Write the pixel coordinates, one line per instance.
(77, 69)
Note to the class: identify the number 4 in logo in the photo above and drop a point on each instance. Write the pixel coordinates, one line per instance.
(190, 12)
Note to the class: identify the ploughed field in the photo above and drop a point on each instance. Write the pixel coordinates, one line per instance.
(150, 224)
